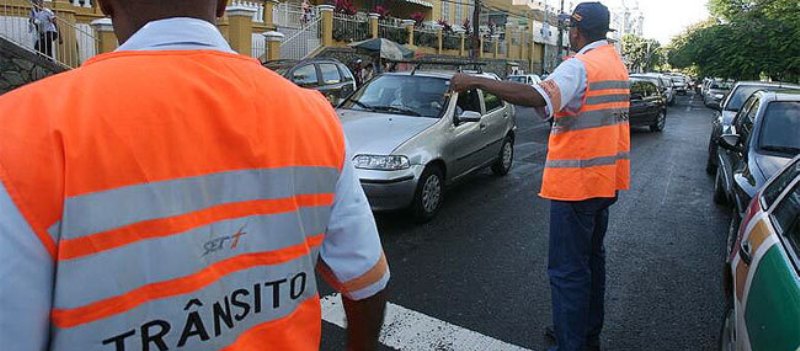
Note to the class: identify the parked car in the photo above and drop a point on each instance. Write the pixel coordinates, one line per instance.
(716, 92)
(529, 79)
(663, 83)
(761, 274)
(728, 109)
(648, 107)
(764, 136)
(331, 77)
(679, 83)
(411, 137)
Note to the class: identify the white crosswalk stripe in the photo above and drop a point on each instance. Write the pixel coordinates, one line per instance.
(407, 330)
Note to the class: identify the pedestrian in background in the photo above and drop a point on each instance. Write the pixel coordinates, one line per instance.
(176, 195)
(43, 21)
(587, 164)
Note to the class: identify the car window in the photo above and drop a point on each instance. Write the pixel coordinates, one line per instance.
(468, 101)
(401, 94)
(305, 75)
(780, 183)
(330, 73)
(737, 120)
(637, 88)
(787, 218)
(492, 102)
(780, 130)
(740, 95)
(348, 77)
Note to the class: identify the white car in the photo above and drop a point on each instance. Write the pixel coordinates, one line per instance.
(529, 79)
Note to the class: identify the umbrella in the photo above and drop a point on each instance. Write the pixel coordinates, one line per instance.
(388, 49)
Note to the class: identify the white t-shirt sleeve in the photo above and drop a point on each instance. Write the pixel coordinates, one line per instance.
(564, 87)
(351, 258)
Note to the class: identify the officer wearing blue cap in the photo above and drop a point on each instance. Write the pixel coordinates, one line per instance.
(587, 164)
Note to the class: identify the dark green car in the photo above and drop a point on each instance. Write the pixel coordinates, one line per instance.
(763, 273)
(331, 77)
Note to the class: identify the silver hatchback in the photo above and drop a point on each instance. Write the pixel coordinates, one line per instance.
(411, 136)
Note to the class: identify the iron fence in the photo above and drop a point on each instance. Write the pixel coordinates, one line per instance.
(347, 28)
(300, 43)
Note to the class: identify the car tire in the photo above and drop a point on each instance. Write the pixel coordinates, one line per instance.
(711, 162)
(727, 334)
(661, 122)
(429, 195)
(504, 162)
(720, 197)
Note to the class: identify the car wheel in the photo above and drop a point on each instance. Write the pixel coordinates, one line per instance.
(503, 164)
(711, 162)
(727, 334)
(429, 195)
(661, 122)
(720, 197)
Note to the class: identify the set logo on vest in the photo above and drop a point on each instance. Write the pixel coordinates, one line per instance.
(217, 244)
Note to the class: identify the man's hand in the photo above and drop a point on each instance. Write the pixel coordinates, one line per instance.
(461, 82)
(364, 321)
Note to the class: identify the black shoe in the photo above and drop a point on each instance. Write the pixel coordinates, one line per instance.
(550, 332)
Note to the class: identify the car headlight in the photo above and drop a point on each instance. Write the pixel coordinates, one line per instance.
(381, 162)
(718, 96)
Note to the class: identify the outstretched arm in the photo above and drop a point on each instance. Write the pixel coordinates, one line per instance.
(512, 92)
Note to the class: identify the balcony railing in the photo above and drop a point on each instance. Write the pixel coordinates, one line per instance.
(65, 43)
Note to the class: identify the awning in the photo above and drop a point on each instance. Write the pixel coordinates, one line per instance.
(420, 3)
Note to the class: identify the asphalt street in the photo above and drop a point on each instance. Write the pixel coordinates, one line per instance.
(481, 264)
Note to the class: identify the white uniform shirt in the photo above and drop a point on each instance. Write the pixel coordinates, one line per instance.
(352, 247)
(44, 20)
(564, 89)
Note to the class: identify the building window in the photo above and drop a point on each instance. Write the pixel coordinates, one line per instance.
(459, 18)
(446, 11)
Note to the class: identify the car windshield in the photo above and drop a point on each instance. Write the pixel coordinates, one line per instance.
(740, 95)
(722, 85)
(403, 95)
(518, 79)
(780, 128)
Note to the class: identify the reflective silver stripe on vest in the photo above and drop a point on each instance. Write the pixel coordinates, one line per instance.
(102, 211)
(592, 162)
(207, 319)
(603, 99)
(609, 84)
(175, 256)
(589, 120)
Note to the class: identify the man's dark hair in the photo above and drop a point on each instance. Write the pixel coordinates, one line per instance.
(593, 35)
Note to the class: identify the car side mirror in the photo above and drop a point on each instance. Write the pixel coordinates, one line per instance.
(730, 142)
(469, 116)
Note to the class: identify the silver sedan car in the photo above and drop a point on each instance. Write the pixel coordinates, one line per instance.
(410, 137)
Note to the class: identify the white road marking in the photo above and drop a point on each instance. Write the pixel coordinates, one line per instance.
(408, 330)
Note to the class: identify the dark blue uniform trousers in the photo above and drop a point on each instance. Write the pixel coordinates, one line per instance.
(577, 270)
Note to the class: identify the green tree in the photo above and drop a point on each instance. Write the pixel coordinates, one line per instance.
(745, 39)
(642, 55)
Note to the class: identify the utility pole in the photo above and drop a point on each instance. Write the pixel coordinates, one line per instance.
(476, 39)
(545, 35)
(560, 34)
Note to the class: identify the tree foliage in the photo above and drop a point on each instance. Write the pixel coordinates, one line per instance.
(746, 39)
(641, 55)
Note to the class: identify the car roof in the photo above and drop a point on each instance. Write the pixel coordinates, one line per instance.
(783, 95)
(290, 63)
(443, 74)
(770, 84)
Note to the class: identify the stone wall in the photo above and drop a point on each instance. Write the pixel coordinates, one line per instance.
(19, 66)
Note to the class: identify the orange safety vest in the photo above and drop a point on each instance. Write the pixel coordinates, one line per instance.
(183, 197)
(588, 151)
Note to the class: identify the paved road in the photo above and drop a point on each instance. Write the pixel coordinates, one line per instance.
(481, 264)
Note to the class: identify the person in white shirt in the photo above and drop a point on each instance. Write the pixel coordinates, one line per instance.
(43, 20)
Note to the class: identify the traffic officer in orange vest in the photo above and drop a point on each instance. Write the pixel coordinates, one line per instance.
(176, 195)
(587, 164)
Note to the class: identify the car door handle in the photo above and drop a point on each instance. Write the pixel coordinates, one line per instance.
(745, 252)
(482, 125)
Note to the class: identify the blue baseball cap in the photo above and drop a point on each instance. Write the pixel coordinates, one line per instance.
(590, 16)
